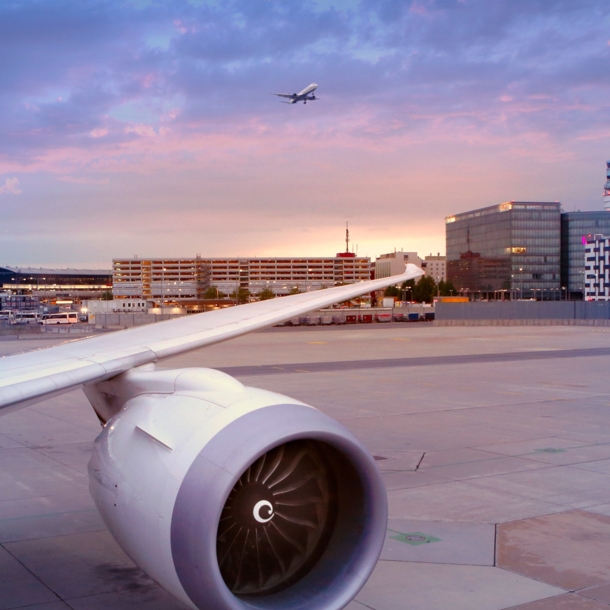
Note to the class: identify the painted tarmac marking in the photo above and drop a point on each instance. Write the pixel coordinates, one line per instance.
(550, 450)
(352, 365)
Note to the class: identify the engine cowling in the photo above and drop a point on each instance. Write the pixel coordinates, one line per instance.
(234, 498)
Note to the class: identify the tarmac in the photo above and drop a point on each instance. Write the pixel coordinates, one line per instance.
(494, 444)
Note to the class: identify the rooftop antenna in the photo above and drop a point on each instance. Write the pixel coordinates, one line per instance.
(607, 188)
(347, 236)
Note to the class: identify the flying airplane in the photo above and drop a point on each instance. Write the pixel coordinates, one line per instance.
(230, 497)
(304, 96)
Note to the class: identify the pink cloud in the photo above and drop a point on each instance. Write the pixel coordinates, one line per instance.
(11, 186)
(99, 132)
(141, 129)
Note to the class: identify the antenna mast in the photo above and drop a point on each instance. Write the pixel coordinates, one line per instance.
(347, 236)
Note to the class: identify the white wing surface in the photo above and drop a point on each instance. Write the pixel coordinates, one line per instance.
(283, 94)
(30, 377)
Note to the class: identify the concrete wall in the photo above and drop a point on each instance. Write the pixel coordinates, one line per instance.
(118, 321)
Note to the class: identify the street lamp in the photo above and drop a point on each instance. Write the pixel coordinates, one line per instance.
(521, 281)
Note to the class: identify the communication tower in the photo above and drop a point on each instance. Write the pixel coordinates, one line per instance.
(607, 188)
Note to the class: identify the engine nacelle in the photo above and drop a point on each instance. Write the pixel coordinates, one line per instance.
(234, 498)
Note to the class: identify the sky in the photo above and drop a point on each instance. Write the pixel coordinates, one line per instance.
(147, 127)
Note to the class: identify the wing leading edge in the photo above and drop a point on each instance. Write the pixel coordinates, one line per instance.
(30, 377)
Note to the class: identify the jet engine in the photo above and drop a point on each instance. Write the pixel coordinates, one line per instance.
(235, 498)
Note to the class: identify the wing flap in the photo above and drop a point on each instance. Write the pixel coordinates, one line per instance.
(26, 378)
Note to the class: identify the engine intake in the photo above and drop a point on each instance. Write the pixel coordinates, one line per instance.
(240, 499)
(277, 519)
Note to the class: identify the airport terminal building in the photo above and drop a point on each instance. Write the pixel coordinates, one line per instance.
(56, 283)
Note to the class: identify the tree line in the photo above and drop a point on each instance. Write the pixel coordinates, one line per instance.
(422, 291)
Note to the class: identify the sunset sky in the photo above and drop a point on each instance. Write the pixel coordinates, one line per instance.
(147, 127)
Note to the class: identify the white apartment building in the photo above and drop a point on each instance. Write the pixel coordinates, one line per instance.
(394, 263)
(597, 269)
(435, 267)
(184, 280)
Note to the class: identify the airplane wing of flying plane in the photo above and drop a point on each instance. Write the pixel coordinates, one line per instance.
(230, 497)
(307, 95)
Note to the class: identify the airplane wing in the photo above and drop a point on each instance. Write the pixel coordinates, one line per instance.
(30, 377)
(284, 94)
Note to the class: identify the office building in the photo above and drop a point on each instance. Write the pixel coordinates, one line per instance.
(513, 248)
(181, 280)
(435, 267)
(576, 229)
(394, 263)
(597, 268)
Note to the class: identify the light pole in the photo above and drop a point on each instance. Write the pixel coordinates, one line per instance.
(521, 281)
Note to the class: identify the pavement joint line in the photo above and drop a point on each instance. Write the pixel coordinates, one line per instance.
(68, 512)
(2, 545)
(420, 461)
(466, 408)
(566, 509)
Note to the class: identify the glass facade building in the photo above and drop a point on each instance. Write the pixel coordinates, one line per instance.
(576, 228)
(512, 248)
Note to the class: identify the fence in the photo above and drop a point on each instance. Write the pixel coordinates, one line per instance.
(524, 312)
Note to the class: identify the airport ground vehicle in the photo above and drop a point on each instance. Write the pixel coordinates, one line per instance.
(66, 317)
(26, 317)
(6, 316)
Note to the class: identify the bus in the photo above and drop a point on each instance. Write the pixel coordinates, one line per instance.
(67, 317)
(25, 317)
(6, 316)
